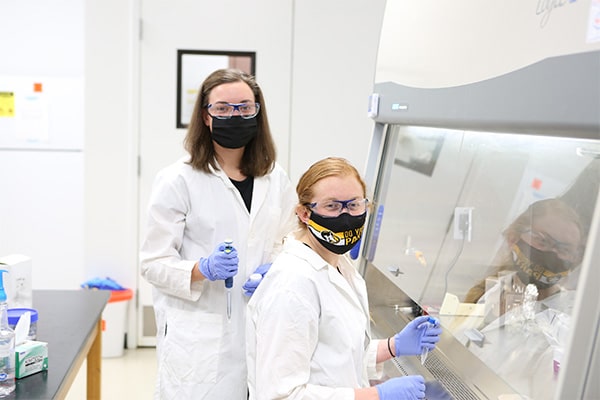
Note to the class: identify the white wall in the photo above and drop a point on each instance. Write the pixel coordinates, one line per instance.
(41, 171)
(110, 141)
(334, 53)
(333, 46)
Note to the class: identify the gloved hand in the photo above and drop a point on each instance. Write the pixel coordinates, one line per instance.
(354, 251)
(219, 265)
(251, 285)
(404, 388)
(416, 335)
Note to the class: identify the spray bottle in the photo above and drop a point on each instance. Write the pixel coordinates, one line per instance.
(7, 345)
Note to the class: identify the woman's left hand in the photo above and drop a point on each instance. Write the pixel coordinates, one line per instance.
(418, 334)
(251, 284)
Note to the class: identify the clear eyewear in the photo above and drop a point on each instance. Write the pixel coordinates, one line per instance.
(333, 208)
(226, 110)
(546, 242)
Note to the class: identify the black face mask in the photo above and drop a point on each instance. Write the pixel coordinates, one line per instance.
(543, 268)
(337, 234)
(234, 132)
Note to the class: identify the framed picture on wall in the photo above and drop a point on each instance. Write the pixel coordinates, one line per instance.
(193, 66)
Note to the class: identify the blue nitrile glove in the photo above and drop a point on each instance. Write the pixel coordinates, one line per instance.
(416, 335)
(354, 251)
(219, 265)
(99, 283)
(404, 388)
(251, 284)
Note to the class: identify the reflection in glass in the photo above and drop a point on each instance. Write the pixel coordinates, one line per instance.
(542, 246)
(531, 199)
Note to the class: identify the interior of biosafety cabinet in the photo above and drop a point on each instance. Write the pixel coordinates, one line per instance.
(484, 172)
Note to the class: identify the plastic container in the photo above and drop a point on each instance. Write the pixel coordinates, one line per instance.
(13, 317)
(114, 322)
(7, 346)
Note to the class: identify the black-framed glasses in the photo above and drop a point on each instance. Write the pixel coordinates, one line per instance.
(333, 208)
(225, 110)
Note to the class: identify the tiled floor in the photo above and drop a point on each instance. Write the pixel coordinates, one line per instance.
(131, 376)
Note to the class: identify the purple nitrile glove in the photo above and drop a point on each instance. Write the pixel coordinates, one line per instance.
(255, 279)
(416, 335)
(410, 387)
(220, 265)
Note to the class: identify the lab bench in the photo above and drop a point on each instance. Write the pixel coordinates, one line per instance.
(70, 322)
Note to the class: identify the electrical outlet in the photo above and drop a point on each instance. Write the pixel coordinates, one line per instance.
(463, 223)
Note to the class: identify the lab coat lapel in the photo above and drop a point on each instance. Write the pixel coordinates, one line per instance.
(259, 194)
(343, 286)
(356, 296)
(221, 174)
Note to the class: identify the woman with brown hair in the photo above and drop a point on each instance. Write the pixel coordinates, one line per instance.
(542, 246)
(228, 187)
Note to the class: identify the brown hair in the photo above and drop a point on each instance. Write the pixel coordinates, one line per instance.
(325, 168)
(537, 210)
(259, 154)
(503, 261)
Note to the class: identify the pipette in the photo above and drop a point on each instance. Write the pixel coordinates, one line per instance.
(424, 350)
(228, 281)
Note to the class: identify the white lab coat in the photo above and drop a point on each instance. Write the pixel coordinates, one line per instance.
(308, 330)
(202, 355)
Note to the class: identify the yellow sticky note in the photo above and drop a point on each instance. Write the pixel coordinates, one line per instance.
(7, 104)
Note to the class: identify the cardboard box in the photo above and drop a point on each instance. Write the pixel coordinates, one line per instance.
(17, 283)
(31, 357)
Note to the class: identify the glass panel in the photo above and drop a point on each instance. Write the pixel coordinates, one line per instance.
(472, 218)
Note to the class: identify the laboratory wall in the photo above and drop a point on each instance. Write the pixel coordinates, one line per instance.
(77, 211)
(42, 145)
(334, 53)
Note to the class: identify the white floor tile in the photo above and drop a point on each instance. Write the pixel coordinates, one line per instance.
(131, 376)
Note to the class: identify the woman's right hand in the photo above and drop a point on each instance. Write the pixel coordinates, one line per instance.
(221, 264)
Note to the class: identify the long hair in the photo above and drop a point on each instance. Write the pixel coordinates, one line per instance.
(541, 208)
(259, 155)
(503, 260)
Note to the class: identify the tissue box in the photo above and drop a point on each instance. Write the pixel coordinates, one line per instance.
(31, 356)
(17, 283)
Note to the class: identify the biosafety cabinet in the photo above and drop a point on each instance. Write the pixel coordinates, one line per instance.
(483, 172)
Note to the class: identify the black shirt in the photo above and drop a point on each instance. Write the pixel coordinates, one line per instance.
(245, 188)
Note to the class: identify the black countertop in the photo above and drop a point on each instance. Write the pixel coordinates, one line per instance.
(66, 318)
